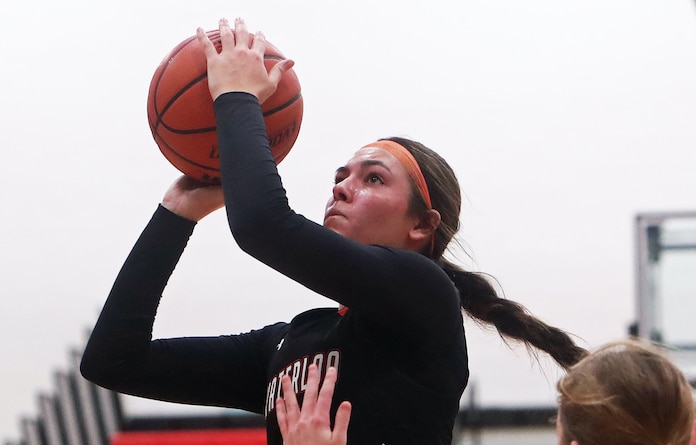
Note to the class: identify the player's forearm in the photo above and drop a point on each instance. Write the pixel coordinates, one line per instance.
(123, 331)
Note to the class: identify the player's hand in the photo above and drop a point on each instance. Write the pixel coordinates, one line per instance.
(239, 66)
(311, 425)
(193, 199)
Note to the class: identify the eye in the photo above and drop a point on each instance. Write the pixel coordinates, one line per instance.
(374, 178)
(339, 178)
(341, 174)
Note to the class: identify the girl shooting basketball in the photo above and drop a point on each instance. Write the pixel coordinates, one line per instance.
(397, 339)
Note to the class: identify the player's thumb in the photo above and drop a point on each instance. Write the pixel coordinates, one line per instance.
(279, 69)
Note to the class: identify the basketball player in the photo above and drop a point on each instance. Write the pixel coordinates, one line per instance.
(625, 393)
(396, 339)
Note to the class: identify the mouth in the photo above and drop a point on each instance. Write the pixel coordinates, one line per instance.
(331, 213)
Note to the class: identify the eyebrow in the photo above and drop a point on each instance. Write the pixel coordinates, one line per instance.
(366, 163)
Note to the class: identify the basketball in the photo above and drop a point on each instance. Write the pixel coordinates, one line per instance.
(182, 118)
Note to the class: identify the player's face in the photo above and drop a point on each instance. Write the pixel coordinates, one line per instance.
(370, 202)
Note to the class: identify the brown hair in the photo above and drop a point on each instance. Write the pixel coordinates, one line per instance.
(626, 393)
(478, 296)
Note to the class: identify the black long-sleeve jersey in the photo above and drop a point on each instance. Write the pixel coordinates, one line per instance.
(400, 348)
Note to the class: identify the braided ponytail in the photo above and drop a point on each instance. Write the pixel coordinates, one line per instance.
(480, 300)
(478, 296)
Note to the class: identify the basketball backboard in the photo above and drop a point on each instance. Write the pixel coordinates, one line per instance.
(666, 283)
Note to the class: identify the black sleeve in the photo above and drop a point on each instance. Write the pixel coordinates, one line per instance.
(390, 285)
(221, 371)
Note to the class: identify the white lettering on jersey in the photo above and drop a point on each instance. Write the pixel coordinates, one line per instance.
(297, 370)
(303, 380)
(295, 375)
(270, 392)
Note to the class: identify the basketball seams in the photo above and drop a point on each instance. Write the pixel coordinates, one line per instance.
(180, 93)
(161, 70)
(285, 105)
(184, 158)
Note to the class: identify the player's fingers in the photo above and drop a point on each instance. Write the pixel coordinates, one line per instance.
(204, 40)
(281, 416)
(241, 32)
(279, 69)
(340, 431)
(259, 43)
(226, 36)
(310, 397)
(326, 394)
(292, 408)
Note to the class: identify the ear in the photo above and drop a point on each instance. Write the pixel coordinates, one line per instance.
(425, 226)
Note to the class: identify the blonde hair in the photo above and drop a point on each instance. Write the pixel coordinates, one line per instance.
(626, 393)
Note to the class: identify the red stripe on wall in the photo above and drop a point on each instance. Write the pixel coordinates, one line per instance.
(251, 436)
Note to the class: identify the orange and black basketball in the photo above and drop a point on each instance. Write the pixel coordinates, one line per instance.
(182, 119)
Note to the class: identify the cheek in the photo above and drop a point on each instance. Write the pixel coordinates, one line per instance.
(387, 218)
(394, 208)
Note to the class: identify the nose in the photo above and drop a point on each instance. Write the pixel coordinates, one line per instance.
(341, 191)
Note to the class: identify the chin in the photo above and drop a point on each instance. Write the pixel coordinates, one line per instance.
(333, 227)
(331, 222)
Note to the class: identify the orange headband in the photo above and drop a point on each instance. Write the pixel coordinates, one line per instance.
(409, 162)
